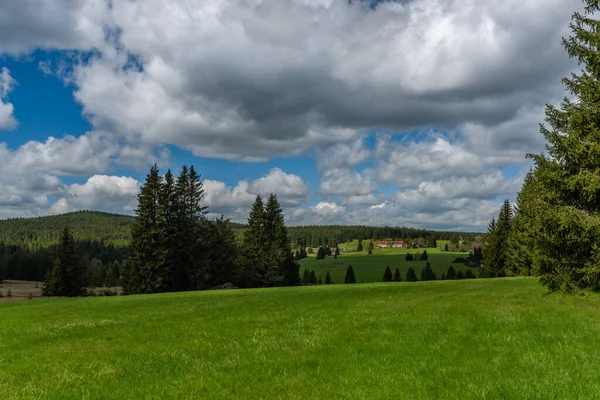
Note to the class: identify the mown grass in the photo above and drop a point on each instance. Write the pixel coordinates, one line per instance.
(370, 267)
(492, 339)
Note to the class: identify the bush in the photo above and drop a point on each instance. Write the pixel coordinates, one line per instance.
(409, 257)
(451, 274)
(107, 292)
(1, 294)
(9, 293)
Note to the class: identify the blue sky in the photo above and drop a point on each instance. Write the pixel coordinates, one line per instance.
(408, 113)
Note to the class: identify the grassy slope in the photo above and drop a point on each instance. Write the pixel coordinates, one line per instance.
(463, 339)
(370, 267)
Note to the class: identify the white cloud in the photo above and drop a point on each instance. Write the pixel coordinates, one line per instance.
(7, 118)
(347, 183)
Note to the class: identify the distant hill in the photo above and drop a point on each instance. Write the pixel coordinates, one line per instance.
(41, 232)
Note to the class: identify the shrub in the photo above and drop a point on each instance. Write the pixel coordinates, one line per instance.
(328, 280)
(9, 293)
(30, 296)
(469, 274)
(451, 274)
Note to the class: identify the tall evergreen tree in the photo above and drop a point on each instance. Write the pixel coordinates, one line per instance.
(350, 277)
(147, 266)
(496, 252)
(252, 251)
(451, 274)
(387, 274)
(67, 277)
(360, 245)
(397, 277)
(521, 240)
(276, 234)
(567, 223)
(221, 247)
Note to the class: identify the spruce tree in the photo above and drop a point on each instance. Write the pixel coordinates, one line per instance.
(313, 277)
(424, 256)
(387, 275)
(147, 266)
(411, 275)
(397, 277)
(451, 274)
(222, 253)
(350, 277)
(328, 280)
(68, 277)
(360, 245)
(252, 263)
(427, 273)
(306, 277)
(496, 251)
(521, 240)
(277, 239)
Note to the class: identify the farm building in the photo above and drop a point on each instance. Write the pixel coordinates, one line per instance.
(399, 244)
(382, 244)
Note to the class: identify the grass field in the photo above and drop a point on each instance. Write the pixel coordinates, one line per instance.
(370, 267)
(492, 339)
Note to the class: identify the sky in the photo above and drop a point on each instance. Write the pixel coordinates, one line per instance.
(411, 113)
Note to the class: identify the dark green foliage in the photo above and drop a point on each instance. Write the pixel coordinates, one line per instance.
(397, 277)
(409, 257)
(566, 205)
(521, 241)
(306, 276)
(360, 245)
(496, 250)
(424, 255)
(427, 273)
(350, 276)
(446, 247)
(147, 267)
(411, 275)
(469, 274)
(451, 274)
(68, 276)
(313, 277)
(387, 275)
(320, 253)
(220, 265)
(337, 251)
(266, 253)
(328, 280)
(460, 274)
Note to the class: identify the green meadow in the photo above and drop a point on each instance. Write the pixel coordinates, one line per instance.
(370, 267)
(475, 339)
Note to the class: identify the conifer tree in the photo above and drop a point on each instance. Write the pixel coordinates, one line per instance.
(427, 273)
(460, 274)
(277, 238)
(306, 277)
(397, 277)
(424, 256)
(67, 277)
(252, 263)
(360, 245)
(409, 257)
(411, 275)
(328, 280)
(521, 241)
(222, 253)
(469, 274)
(387, 275)
(313, 277)
(496, 252)
(451, 274)
(147, 267)
(350, 276)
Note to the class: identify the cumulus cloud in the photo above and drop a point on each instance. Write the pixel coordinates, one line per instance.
(7, 118)
(290, 189)
(253, 80)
